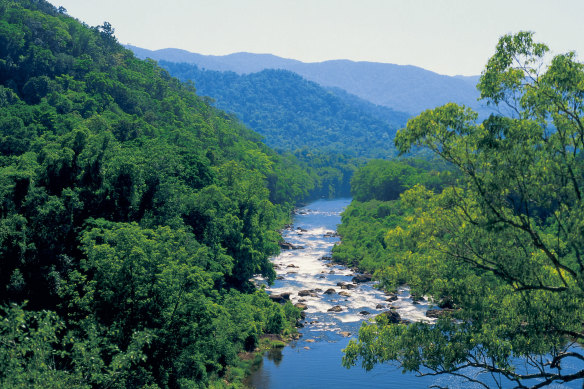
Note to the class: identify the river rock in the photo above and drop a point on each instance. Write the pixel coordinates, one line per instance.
(346, 334)
(344, 294)
(290, 246)
(280, 278)
(336, 308)
(301, 306)
(379, 306)
(364, 313)
(436, 313)
(280, 298)
(292, 265)
(416, 299)
(304, 293)
(392, 316)
(330, 291)
(362, 278)
(391, 298)
(309, 340)
(326, 258)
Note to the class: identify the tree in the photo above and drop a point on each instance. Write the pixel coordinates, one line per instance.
(506, 243)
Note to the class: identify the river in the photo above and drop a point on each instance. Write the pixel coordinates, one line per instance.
(314, 361)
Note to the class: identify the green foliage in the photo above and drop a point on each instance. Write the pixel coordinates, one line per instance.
(379, 205)
(504, 246)
(329, 131)
(386, 180)
(292, 113)
(132, 215)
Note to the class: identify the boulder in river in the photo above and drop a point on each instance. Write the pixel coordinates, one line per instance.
(292, 265)
(364, 313)
(362, 278)
(303, 293)
(301, 306)
(391, 298)
(379, 306)
(336, 308)
(346, 334)
(330, 291)
(290, 246)
(280, 298)
(327, 258)
(392, 316)
(344, 294)
(436, 313)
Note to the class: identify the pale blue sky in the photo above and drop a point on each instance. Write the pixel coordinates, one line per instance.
(446, 36)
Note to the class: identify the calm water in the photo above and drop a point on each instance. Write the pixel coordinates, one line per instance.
(314, 361)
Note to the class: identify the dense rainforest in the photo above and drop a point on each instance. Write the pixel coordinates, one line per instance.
(329, 131)
(293, 113)
(132, 216)
(496, 239)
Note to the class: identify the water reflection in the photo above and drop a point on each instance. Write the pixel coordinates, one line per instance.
(274, 355)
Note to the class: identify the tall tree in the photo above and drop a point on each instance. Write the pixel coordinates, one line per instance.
(507, 243)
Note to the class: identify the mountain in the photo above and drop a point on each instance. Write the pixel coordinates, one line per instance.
(403, 88)
(293, 113)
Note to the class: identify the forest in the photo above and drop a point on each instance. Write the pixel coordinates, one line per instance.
(132, 216)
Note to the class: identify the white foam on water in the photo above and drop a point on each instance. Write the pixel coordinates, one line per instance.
(308, 271)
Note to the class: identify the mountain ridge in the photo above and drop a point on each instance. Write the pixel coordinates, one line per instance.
(405, 88)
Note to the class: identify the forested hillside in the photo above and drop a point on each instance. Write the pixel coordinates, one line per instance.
(292, 113)
(132, 216)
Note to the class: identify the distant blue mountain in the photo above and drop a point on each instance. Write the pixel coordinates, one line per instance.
(403, 88)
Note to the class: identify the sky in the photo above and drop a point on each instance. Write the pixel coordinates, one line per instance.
(451, 37)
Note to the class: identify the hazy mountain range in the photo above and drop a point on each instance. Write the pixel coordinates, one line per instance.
(408, 89)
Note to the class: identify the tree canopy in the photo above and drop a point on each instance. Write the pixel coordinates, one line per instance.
(505, 244)
(132, 216)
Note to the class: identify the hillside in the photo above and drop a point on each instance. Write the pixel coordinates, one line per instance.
(402, 88)
(132, 216)
(292, 113)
